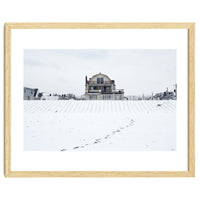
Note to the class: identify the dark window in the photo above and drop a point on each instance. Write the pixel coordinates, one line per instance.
(93, 88)
(106, 89)
(99, 80)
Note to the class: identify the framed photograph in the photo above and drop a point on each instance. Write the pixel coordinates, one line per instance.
(99, 99)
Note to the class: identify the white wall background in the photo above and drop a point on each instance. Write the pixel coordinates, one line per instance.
(100, 11)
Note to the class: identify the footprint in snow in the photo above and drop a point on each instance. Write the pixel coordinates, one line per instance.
(63, 150)
(113, 132)
(107, 136)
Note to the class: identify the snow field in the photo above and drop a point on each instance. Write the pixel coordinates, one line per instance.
(99, 125)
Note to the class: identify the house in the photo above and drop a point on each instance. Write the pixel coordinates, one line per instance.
(167, 95)
(30, 93)
(101, 87)
(158, 96)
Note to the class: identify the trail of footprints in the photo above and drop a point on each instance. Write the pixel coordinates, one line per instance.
(117, 131)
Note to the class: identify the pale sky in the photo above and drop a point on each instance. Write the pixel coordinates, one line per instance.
(136, 71)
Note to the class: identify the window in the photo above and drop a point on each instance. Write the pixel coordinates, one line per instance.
(93, 97)
(106, 97)
(106, 89)
(99, 80)
(117, 97)
(93, 88)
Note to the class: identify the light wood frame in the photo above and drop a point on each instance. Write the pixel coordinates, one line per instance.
(191, 94)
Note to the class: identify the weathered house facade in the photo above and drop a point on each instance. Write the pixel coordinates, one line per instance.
(167, 95)
(30, 93)
(101, 87)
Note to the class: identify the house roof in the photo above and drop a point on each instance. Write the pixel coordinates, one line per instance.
(100, 75)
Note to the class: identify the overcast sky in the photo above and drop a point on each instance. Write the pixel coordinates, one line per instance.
(135, 71)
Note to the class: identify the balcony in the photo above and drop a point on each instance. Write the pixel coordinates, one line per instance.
(106, 92)
(100, 91)
(100, 83)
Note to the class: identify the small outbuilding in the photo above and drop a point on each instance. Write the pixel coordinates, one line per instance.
(30, 93)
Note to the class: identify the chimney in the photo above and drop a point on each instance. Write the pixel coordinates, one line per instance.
(86, 80)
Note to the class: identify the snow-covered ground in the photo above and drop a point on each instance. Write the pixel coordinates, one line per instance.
(99, 125)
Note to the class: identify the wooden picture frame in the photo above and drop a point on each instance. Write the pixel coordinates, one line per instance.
(191, 96)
